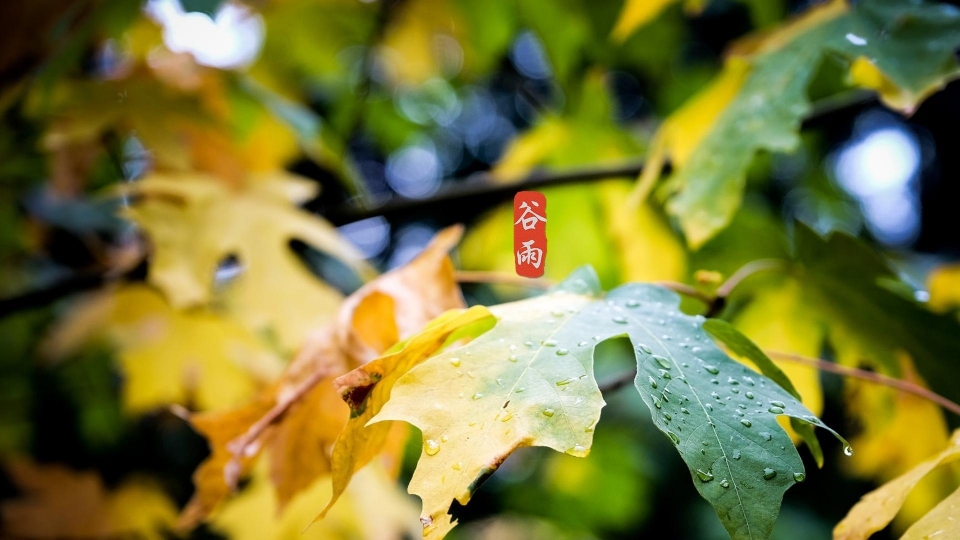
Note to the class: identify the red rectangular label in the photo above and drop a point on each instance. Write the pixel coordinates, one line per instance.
(530, 233)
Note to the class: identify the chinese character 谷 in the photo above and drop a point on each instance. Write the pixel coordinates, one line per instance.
(529, 255)
(529, 218)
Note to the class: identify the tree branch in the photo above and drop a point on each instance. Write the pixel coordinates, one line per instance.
(502, 278)
(869, 376)
(481, 190)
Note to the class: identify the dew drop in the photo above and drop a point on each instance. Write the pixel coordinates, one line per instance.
(521, 389)
(665, 374)
(667, 416)
(709, 407)
(704, 476)
(724, 483)
(746, 422)
(766, 436)
(632, 303)
(645, 348)
(513, 347)
(657, 403)
(775, 410)
(566, 381)
(431, 447)
(714, 395)
(477, 396)
(577, 448)
(506, 417)
(799, 476)
(457, 466)
(582, 344)
(653, 382)
(684, 410)
(472, 423)
(663, 362)
(711, 369)
(673, 437)
(749, 395)
(714, 381)
(549, 343)
(444, 438)
(735, 390)
(847, 450)
(529, 344)
(548, 412)
(777, 404)
(749, 381)
(736, 454)
(562, 352)
(769, 474)
(455, 362)
(619, 319)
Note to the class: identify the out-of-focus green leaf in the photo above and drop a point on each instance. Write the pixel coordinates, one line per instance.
(902, 50)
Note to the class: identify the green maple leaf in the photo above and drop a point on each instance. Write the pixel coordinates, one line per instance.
(903, 50)
(527, 379)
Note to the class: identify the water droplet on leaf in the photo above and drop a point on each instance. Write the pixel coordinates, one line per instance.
(431, 447)
(769, 474)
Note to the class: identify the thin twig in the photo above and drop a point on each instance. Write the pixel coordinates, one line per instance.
(876, 378)
(241, 446)
(502, 278)
(686, 290)
(617, 382)
(908, 387)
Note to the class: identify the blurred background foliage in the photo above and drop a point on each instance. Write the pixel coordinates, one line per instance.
(120, 115)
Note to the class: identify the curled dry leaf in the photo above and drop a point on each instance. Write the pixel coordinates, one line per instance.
(299, 418)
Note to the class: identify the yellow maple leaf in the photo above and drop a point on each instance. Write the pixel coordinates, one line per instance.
(299, 418)
(373, 508)
(166, 355)
(195, 222)
(878, 508)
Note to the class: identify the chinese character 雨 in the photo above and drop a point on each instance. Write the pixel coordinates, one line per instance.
(530, 255)
(529, 217)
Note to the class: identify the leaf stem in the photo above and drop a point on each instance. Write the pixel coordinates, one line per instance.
(870, 376)
(619, 381)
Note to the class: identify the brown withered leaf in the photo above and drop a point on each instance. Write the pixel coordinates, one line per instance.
(298, 419)
(58, 502)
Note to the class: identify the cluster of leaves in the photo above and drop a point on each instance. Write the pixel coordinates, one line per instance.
(300, 388)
